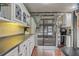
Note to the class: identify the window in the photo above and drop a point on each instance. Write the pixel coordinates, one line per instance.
(50, 30)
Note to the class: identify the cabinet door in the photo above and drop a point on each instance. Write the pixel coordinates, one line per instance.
(31, 44)
(27, 48)
(24, 17)
(18, 12)
(30, 47)
(22, 49)
(14, 52)
(6, 11)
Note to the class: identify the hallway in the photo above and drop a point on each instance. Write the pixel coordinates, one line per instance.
(38, 29)
(50, 20)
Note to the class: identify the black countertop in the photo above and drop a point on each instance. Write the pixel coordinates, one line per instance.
(70, 51)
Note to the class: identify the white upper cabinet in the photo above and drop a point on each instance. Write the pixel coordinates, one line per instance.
(21, 14)
(18, 12)
(24, 17)
(5, 11)
(15, 12)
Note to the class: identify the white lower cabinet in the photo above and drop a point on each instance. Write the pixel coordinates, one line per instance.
(14, 52)
(30, 47)
(24, 49)
(31, 44)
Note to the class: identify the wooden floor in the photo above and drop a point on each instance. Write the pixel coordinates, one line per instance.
(47, 51)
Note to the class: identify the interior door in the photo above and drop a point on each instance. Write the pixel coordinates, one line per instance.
(47, 36)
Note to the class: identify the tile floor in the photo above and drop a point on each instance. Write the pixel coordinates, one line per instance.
(47, 51)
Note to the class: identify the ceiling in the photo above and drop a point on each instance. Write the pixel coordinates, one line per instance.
(48, 10)
(49, 7)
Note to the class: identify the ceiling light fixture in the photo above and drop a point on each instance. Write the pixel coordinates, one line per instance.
(74, 7)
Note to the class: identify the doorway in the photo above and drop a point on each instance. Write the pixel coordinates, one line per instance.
(47, 36)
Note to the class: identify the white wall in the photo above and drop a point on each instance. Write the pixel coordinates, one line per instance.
(68, 20)
(68, 23)
(77, 31)
(33, 26)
